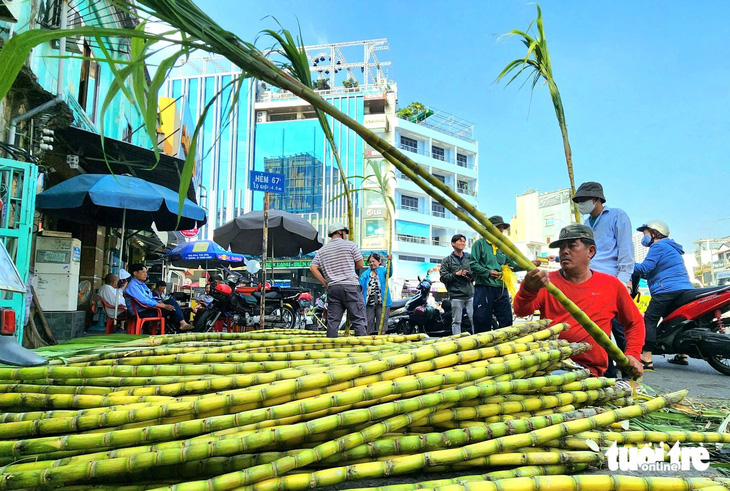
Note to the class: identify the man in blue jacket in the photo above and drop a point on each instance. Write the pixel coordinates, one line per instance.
(667, 277)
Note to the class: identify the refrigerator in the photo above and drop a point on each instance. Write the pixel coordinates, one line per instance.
(57, 264)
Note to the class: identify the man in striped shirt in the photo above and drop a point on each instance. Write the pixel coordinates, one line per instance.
(335, 266)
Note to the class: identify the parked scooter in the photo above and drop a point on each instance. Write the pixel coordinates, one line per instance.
(419, 317)
(694, 325)
(240, 303)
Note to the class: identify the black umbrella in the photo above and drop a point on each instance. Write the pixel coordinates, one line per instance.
(289, 234)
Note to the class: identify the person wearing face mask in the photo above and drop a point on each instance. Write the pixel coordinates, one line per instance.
(614, 245)
(667, 277)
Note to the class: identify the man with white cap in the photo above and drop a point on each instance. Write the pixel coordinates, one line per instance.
(335, 265)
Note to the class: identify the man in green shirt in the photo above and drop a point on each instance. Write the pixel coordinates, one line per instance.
(491, 296)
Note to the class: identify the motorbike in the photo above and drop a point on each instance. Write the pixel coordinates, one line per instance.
(694, 325)
(240, 303)
(412, 315)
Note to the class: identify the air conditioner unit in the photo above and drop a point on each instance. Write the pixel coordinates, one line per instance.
(261, 116)
(10, 10)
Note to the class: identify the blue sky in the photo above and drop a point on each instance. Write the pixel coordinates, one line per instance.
(644, 86)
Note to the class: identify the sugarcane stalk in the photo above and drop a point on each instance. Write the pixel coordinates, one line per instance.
(525, 471)
(444, 457)
(592, 482)
(203, 406)
(606, 438)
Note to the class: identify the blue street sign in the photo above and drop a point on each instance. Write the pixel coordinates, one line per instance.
(268, 182)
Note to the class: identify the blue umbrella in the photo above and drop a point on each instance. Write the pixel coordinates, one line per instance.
(193, 254)
(119, 201)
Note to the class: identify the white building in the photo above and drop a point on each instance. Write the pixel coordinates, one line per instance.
(444, 146)
(538, 220)
(640, 251)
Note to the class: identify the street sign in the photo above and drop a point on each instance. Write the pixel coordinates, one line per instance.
(268, 182)
(190, 233)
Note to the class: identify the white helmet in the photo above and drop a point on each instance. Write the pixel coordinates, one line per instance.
(657, 225)
(336, 227)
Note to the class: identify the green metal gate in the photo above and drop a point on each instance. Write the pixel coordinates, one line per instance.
(17, 192)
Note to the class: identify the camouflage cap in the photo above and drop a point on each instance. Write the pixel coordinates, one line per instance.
(574, 231)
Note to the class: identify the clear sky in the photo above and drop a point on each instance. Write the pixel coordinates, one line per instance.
(645, 86)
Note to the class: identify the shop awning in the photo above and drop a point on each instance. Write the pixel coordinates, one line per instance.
(412, 228)
(123, 157)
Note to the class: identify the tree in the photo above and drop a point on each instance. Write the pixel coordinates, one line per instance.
(192, 29)
(321, 84)
(350, 83)
(411, 110)
(537, 61)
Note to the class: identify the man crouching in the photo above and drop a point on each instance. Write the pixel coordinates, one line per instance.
(602, 297)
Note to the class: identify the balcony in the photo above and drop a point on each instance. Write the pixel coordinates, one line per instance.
(412, 239)
(467, 190)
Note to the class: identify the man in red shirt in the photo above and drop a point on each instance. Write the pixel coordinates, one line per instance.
(601, 296)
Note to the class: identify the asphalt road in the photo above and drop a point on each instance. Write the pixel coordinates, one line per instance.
(701, 379)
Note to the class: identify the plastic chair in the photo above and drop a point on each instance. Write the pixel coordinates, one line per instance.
(135, 323)
(110, 320)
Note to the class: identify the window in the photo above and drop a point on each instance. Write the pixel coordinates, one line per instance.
(440, 178)
(409, 144)
(89, 84)
(461, 160)
(438, 153)
(432, 260)
(409, 203)
(375, 227)
(417, 259)
(437, 210)
(128, 132)
(463, 187)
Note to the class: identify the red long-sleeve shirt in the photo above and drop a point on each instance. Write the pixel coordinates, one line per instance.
(602, 298)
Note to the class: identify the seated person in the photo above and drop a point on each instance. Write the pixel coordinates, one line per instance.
(139, 291)
(204, 299)
(113, 296)
(159, 292)
(602, 297)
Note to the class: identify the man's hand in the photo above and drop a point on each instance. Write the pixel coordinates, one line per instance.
(635, 366)
(630, 286)
(495, 274)
(536, 262)
(536, 279)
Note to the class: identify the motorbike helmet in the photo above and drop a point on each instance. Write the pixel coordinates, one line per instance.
(657, 225)
(336, 227)
(223, 289)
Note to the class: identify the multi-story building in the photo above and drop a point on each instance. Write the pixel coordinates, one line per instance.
(539, 218)
(713, 261)
(445, 147)
(275, 131)
(52, 123)
(207, 84)
(640, 251)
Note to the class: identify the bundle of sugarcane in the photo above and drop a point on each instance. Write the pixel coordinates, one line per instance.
(283, 410)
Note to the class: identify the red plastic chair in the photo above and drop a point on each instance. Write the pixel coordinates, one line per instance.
(110, 320)
(135, 323)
